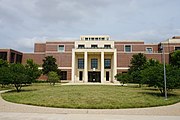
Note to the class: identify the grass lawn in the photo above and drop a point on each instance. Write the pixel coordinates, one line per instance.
(6, 87)
(90, 96)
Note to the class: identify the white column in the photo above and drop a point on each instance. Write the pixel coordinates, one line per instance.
(85, 67)
(102, 67)
(115, 65)
(73, 66)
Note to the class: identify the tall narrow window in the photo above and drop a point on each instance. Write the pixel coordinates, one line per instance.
(12, 58)
(63, 75)
(94, 63)
(107, 63)
(81, 63)
(61, 48)
(80, 75)
(127, 48)
(107, 76)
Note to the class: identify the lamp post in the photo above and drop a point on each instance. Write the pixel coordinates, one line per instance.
(165, 90)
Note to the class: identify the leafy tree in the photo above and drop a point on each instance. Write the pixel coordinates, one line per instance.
(53, 77)
(3, 63)
(154, 76)
(138, 62)
(123, 77)
(4, 73)
(152, 62)
(175, 58)
(19, 75)
(49, 64)
(32, 71)
(5, 76)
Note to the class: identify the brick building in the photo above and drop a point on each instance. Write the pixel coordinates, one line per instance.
(11, 56)
(96, 58)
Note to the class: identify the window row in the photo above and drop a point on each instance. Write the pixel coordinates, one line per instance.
(128, 48)
(94, 46)
(94, 63)
(96, 38)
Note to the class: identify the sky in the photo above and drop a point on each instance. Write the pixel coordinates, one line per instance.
(24, 22)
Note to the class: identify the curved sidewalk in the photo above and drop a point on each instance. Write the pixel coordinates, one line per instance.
(171, 110)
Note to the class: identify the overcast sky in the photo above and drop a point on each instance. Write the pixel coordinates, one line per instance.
(24, 22)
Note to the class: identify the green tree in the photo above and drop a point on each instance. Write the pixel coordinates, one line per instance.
(49, 64)
(4, 73)
(175, 58)
(5, 76)
(154, 76)
(53, 77)
(3, 63)
(151, 62)
(19, 75)
(32, 71)
(123, 77)
(138, 62)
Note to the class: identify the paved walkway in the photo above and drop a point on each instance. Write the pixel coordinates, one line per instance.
(171, 110)
(39, 116)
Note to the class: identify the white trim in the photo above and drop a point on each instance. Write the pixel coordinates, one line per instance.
(128, 45)
(128, 40)
(65, 68)
(49, 52)
(35, 53)
(49, 44)
(130, 52)
(122, 68)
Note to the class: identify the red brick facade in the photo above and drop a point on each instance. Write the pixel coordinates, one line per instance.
(64, 58)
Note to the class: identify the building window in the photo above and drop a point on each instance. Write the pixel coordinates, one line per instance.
(94, 63)
(92, 38)
(149, 50)
(18, 58)
(177, 48)
(3, 55)
(107, 76)
(80, 46)
(61, 48)
(127, 48)
(12, 58)
(80, 75)
(107, 63)
(107, 46)
(63, 75)
(94, 46)
(81, 63)
(86, 39)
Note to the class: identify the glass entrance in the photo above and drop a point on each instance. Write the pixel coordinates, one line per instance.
(94, 76)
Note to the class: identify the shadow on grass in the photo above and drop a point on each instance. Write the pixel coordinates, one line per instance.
(22, 90)
(150, 88)
(158, 94)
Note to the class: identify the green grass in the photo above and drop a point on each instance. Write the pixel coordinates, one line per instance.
(6, 87)
(90, 96)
